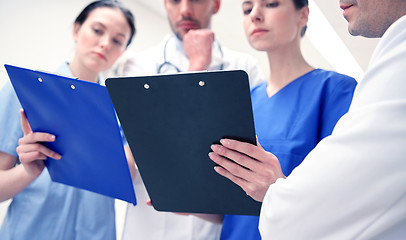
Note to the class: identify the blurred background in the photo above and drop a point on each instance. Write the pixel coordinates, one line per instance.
(38, 35)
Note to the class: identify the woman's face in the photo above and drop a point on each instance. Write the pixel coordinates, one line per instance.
(102, 38)
(271, 24)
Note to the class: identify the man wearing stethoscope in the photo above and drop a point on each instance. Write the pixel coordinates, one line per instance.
(191, 47)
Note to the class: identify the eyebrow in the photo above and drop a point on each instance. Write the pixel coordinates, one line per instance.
(249, 2)
(104, 26)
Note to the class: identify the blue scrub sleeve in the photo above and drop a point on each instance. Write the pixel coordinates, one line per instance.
(337, 104)
(10, 128)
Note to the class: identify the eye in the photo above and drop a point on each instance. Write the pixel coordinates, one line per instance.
(97, 31)
(117, 42)
(246, 11)
(272, 4)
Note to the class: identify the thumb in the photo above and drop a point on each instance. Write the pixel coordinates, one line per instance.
(258, 144)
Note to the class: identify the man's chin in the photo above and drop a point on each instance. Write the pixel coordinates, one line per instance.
(353, 32)
(180, 34)
(352, 29)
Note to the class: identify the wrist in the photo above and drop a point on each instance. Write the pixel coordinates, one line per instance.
(199, 65)
(32, 171)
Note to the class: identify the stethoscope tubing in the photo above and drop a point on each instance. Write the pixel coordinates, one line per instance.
(166, 62)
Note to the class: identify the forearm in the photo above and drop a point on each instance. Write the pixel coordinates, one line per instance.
(13, 181)
(199, 65)
(131, 162)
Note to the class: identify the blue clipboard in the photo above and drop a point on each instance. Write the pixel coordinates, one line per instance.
(81, 116)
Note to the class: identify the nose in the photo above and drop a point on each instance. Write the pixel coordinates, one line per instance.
(256, 14)
(185, 8)
(104, 42)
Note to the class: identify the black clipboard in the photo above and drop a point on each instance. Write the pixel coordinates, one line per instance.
(88, 137)
(170, 122)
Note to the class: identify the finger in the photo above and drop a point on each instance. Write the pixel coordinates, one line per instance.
(182, 214)
(238, 157)
(30, 157)
(258, 144)
(24, 123)
(37, 147)
(212, 37)
(36, 137)
(246, 148)
(239, 181)
(232, 167)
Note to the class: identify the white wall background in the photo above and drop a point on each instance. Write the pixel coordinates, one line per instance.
(37, 35)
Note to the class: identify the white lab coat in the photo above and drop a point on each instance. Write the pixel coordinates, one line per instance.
(142, 221)
(148, 62)
(353, 184)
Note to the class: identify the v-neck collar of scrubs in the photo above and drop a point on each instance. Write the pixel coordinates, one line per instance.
(292, 83)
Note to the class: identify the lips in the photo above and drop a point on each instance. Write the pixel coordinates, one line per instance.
(345, 6)
(100, 55)
(188, 25)
(258, 31)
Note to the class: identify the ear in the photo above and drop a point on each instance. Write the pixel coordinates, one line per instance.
(304, 15)
(217, 4)
(165, 3)
(76, 28)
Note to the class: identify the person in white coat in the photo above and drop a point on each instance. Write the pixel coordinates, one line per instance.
(191, 47)
(352, 185)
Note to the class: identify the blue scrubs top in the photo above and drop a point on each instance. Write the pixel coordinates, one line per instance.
(46, 209)
(289, 124)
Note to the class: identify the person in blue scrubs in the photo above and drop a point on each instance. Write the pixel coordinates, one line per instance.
(294, 109)
(42, 209)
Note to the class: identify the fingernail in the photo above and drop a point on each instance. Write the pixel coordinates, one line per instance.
(215, 147)
(225, 142)
(52, 137)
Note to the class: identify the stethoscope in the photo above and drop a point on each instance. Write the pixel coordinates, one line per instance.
(167, 66)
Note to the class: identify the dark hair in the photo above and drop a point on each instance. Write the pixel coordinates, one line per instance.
(110, 4)
(299, 4)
